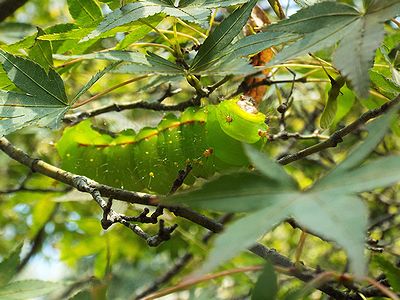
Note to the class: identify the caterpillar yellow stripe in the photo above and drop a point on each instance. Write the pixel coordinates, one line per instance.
(209, 139)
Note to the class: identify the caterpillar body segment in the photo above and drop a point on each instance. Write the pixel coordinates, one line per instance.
(150, 160)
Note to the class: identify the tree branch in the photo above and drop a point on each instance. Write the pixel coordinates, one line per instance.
(74, 180)
(337, 137)
(8, 7)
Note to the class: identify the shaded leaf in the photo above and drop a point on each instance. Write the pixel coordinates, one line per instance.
(93, 80)
(269, 168)
(330, 109)
(326, 23)
(84, 11)
(378, 173)
(26, 289)
(235, 193)
(9, 266)
(44, 103)
(33, 79)
(221, 37)
(338, 217)
(41, 52)
(113, 55)
(390, 270)
(124, 15)
(266, 287)
(376, 131)
(243, 233)
(152, 64)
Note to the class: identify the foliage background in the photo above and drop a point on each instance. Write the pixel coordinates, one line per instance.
(60, 228)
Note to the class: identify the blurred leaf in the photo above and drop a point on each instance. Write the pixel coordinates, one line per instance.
(390, 270)
(243, 233)
(266, 287)
(93, 80)
(42, 210)
(45, 102)
(11, 32)
(345, 102)
(26, 289)
(9, 266)
(84, 11)
(378, 173)
(269, 168)
(113, 55)
(41, 52)
(338, 217)
(305, 3)
(376, 131)
(146, 8)
(124, 15)
(152, 64)
(221, 37)
(384, 85)
(237, 192)
(330, 109)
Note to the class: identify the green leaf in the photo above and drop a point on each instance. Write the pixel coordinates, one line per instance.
(211, 3)
(124, 15)
(392, 273)
(384, 85)
(27, 289)
(19, 110)
(139, 32)
(266, 287)
(330, 109)
(326, 23)
(44, 103)
(321, 25)
(11, 32)
(255, 43)
(235, 193)
(269, 168)
(41, 52)
(355, 59)
(243, 233)
(305, 3)
(9, 266)
(376, 131)
(33, 79)
(154, 64)
(84, 11)
(338, 217)
(93, 80)
(221, 37)
(229, 62)
(378, 173)
(113, 55)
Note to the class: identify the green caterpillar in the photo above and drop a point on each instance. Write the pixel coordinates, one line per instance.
(208, 139)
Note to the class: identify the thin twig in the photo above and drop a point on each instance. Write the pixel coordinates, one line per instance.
(337, 137)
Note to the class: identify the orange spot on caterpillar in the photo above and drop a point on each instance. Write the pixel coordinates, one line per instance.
(208, 152)
(263, 133)
(228, 119)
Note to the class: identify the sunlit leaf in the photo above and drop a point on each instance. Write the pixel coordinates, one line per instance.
(9, 266)
(84, 11)
(44, 103)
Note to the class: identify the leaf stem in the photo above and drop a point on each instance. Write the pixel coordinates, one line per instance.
(191, 28)
(95, 97)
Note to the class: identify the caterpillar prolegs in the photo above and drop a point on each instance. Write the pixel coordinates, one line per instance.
(208, 139)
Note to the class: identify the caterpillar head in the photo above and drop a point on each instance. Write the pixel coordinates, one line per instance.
(240, 119)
